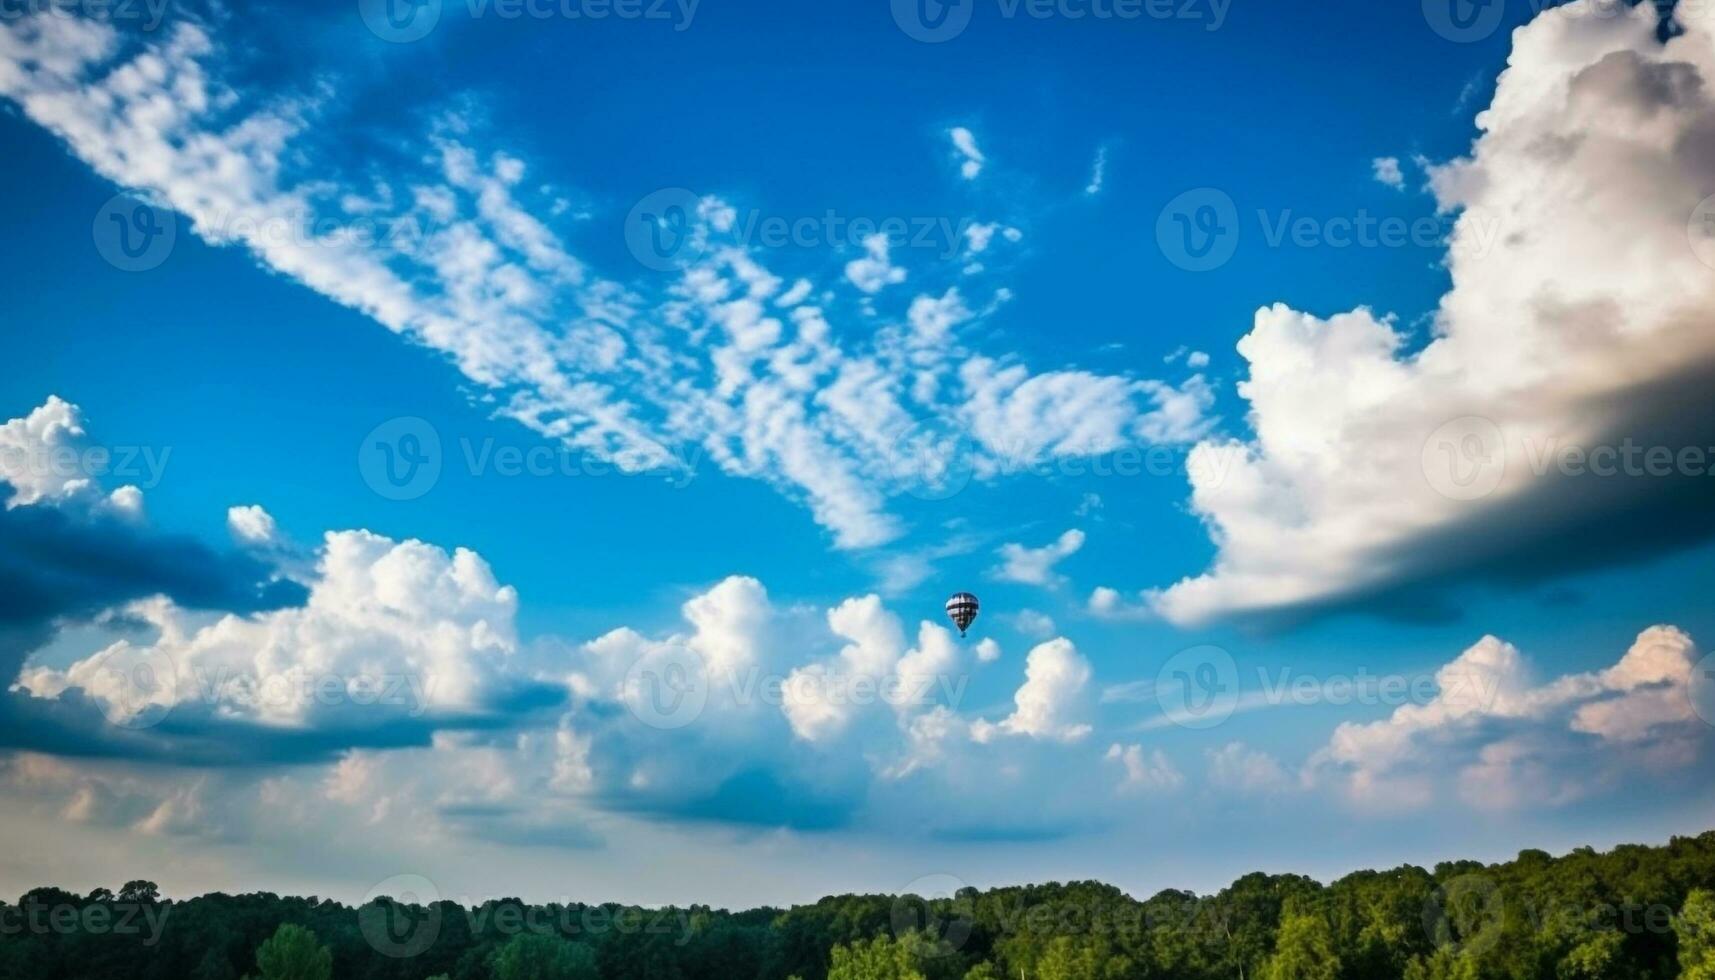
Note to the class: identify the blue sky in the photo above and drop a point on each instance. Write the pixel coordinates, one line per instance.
(1404, 278)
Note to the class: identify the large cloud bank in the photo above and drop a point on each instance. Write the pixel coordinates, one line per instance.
(1379, 461)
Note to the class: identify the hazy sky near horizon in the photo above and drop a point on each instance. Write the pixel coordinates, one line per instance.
(528, 445)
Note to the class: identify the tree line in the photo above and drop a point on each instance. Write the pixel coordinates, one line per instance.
(1628, 914)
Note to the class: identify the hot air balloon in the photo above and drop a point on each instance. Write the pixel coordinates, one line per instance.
(962, 609)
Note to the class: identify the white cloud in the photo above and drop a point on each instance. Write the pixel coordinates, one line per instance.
(988, 651)
(799, 292)
(1236, 766)
(1503, 738)
(1153, 772)
(721, 365)
(40, 454)
(972, 159)
(1098, 173)
(127, 501)
(1050, 703)
(1112, 605)
(400, 628)
(1033, 622)
(252, 525)
(934, 319)
(1035, 566)
(874, 271)
(1022, 417)
(47, 459)
(1568, 326)
(1387, 172)
(978, 235)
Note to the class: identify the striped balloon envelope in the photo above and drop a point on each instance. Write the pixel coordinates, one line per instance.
(962, 610)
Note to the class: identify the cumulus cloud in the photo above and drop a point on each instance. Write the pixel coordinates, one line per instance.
(965, 145)
(1238, 767)
(1035, 566)
(1387, 172)
(979, 235)
(75, 550)
(1033, 622)
(874, 272)
(821, 698)
(1051, 702)
(794, 717)
(793, 386)
(389, 629)
(1380, 460)
(46, 458)
(34, 454)
(252, 525)
(1498, 736)
(864, 708)
(1152, 772)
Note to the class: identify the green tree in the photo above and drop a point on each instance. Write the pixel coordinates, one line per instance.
(144, 892)
(1599, 957)
(1695, 928)
(1304, 950)
(293, 953)
(214, 966)
(881, 958)
(532, 956)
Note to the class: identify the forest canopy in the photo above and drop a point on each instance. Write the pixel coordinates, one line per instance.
(1631, 913)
